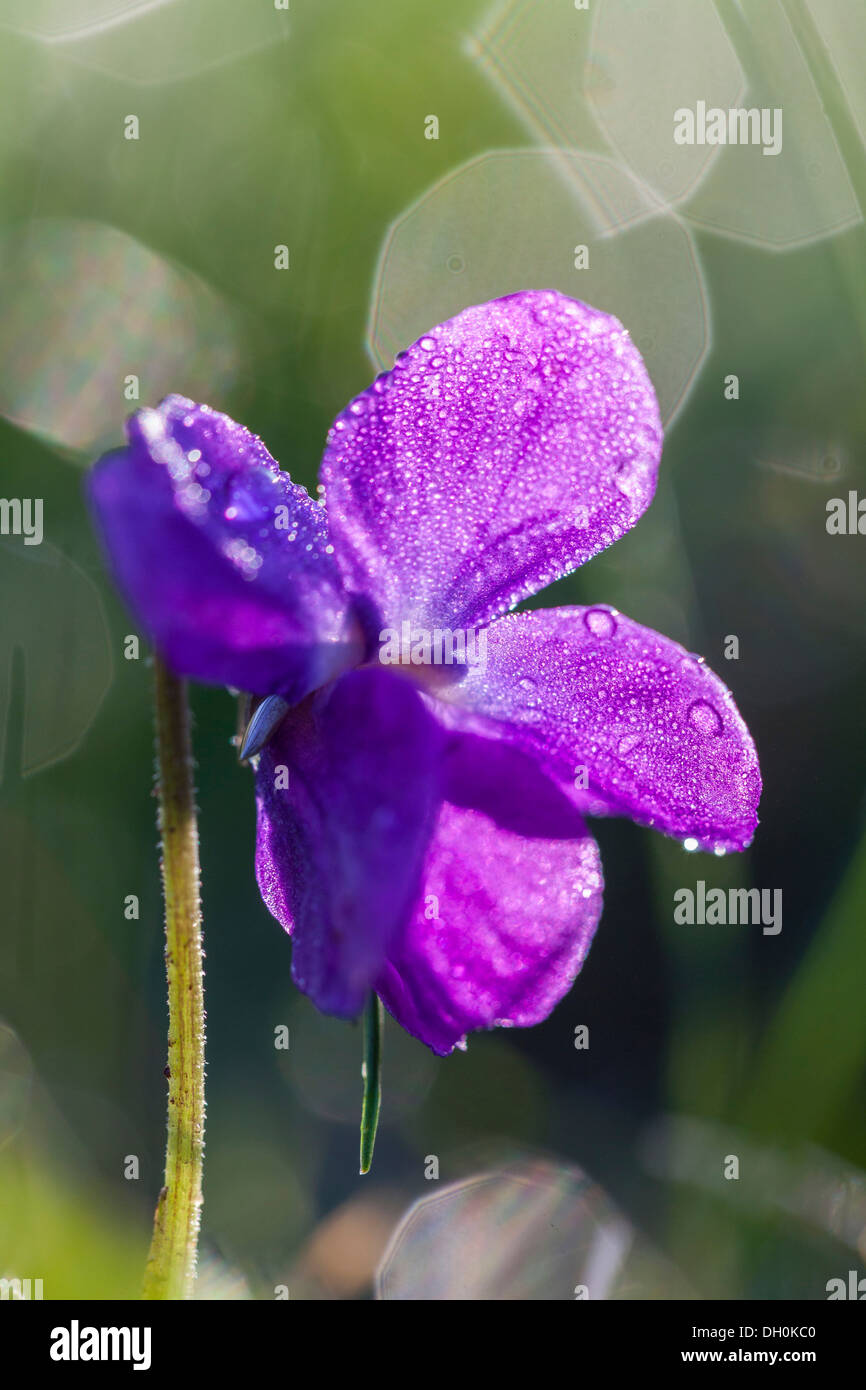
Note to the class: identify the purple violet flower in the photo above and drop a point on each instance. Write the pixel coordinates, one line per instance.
(420, 819)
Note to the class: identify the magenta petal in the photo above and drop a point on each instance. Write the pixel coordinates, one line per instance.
(504, 449)
(509, 902)
(340, 849)
(222, 558)
(656, 733)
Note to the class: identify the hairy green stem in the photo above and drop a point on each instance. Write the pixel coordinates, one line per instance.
(171, 1264)
(371, 1073)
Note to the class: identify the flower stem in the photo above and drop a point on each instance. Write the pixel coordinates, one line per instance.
(371, 1074)
(171, 1263)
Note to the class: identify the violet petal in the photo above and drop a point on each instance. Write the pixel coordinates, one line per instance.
(655, 733)
(511, 894)
(340, 848)
(221, 557)
(506, 447)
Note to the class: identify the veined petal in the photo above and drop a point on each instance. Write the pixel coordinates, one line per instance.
(225, 561)
(505, 448)
(637, 725)
(511, 895)
(347, 792)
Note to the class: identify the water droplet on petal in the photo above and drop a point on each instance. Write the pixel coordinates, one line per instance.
(600, 622)
(690, 844)
(691, 665)
(705, 718)
(629, 744)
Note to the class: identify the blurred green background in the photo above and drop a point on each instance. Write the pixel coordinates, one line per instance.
(148, 263)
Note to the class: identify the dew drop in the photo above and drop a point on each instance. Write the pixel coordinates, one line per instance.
(628, 744)
(705, 718)
(600, 622)
(690, 844)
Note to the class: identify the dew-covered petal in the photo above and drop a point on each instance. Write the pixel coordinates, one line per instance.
(225, 562)
(511, 895)
(505, 448)
(347, 793)
(635, 724)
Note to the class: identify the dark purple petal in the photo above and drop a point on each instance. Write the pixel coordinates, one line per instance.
(656, 732)
(510, 899)
(225, 561)
(340, 850)
(505, 448)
